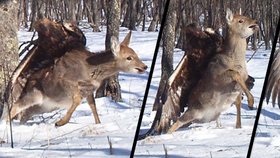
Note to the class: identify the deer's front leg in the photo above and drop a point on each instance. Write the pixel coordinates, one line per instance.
(238, 109)
(237, 77)
(92, 105)
(86, 89)
(76, 101)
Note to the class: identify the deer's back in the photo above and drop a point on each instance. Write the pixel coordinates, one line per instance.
(60, 82)
(73, 66)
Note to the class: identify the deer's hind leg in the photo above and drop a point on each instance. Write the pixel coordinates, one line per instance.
(29, 99)
(92, 105)
(185, 119)
(76, 100)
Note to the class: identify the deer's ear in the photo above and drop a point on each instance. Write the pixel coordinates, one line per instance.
(229, 16)
(115, 45)
(126, 40)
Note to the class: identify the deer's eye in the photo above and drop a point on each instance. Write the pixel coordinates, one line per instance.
(129, 58)
(241, 21)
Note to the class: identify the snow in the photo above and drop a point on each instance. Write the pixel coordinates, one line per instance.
(267, 140)
(81, 137)
(207, 140)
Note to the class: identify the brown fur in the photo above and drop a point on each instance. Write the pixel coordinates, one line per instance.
(224, 79)
(74, 76)
(188, 72)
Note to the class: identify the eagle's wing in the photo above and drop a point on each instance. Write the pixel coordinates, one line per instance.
(54, 40)
(199, 46)
(273, 87)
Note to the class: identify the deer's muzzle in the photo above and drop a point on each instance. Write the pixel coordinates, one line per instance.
(141, 70)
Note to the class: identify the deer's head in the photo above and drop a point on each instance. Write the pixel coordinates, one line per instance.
(241, 25)
(127, 59)
(123, 57)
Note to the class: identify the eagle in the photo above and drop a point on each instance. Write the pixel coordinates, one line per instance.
(273, 85)
(200, 47)
(54, 40)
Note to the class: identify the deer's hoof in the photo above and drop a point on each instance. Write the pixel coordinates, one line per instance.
(97, 121)
(238, 126)
(56, 125)
(170, 131)
(59, 123)
(251, 107)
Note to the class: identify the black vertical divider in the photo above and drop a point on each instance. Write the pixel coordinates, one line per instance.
(263, 90)
(149, 79)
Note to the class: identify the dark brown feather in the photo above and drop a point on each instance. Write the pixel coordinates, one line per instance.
(54, 40)
(273, 80)
(199, 46)
(250, 82)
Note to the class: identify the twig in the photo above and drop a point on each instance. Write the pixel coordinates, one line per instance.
(4, 69)
(68, 147)
(30, 140)
(26, 48)
(60, 136)
(33, 36)
(148, 152)
(110, 145)
(165, 151)
(45, 119)
(255, 52)
(4, 135)
(31, 42)
(48, 135)
(90, 146)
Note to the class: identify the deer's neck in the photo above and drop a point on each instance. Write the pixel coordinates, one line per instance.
(103, 66)
(235, 47)
(105, 70)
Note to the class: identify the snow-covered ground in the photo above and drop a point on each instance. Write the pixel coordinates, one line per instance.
(267, 140)
(82, 137)
(206, 140)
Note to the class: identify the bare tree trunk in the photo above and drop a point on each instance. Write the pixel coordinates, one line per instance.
(144, 12)
(72, 11)
(126, 17)
(104, 8)
(95, 16)
(33, 15)
(155, 11)
(25, 13)
(168, 39)
(8, 41)
(130, 15)
(181, 13)
(133, 15)
(111, 86)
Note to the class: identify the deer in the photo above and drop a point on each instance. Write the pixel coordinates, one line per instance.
(73, 77)
(223, 81)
